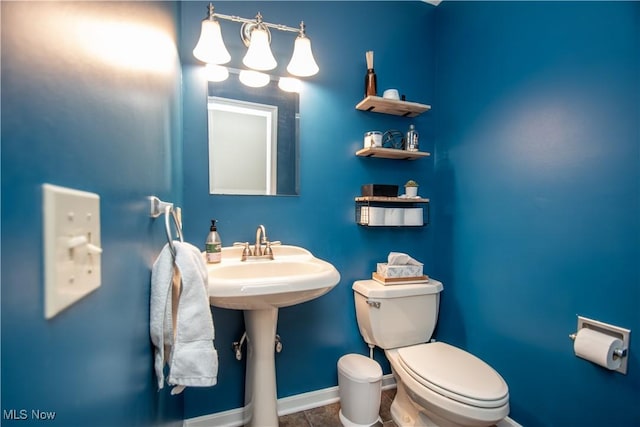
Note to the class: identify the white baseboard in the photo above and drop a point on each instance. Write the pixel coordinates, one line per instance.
(315, 399)
(286, 405)
(292, 404)
(230, 418)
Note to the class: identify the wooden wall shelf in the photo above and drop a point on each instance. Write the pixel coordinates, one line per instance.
(378, 104)
(383, 199)
(391, 153)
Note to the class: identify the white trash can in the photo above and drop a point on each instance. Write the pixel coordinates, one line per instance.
(359, 384)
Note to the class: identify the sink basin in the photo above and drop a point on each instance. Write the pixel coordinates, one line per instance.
(292, 277)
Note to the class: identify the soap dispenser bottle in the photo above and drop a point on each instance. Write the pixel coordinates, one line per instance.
(213, 244)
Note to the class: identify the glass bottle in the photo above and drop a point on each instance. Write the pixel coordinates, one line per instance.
(411, 143)
(370, 83)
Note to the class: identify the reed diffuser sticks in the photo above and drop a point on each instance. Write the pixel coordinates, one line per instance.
(369, 56)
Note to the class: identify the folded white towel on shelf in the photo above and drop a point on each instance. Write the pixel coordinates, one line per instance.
(399, 258)
(181, 325)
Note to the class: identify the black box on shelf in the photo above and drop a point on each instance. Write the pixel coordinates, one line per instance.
(383, 190)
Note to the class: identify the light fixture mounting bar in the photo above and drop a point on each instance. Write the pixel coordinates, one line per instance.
(235, 18)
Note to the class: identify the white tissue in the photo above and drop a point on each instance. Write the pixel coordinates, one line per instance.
(399, 258)
(400, 265)
(598, 348)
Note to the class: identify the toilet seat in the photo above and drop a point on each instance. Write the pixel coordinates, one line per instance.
(455, 374)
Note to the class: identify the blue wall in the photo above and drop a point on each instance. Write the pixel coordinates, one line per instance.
(535, 190)
(317, 333)
(90, 100)
(538, 184)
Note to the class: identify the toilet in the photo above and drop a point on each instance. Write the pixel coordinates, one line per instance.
(438, 385)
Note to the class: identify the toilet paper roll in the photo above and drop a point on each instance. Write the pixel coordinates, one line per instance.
(394, 216)
(376, 216)
(413, 216)
(598, 348)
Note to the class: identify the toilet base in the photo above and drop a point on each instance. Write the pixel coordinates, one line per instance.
(405, 414)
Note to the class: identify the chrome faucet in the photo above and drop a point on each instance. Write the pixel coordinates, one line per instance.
(258, 253)
(260, 231)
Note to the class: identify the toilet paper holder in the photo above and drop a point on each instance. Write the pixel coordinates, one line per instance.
(622, 334)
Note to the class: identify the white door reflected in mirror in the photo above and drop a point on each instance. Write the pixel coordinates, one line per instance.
(243, 148)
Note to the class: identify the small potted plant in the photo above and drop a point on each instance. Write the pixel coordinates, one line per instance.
(411, 188)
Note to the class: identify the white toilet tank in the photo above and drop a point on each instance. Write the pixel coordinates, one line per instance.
(391, 316)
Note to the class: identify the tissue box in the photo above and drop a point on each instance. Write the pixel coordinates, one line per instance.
(379, 190)
(386, 270)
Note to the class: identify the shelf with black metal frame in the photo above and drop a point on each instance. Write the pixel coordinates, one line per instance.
(365, 205)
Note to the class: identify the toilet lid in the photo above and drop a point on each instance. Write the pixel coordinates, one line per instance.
(455, 373)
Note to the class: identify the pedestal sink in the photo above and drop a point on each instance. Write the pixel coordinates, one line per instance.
(260, 288)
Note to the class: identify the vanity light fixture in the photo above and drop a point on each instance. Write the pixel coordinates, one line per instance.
(257, 37)
(302, 63)
(210, 47)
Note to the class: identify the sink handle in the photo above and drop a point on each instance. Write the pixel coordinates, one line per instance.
(246, 252)
(268, 251)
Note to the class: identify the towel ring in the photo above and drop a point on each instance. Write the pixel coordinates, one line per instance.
(158, 207)
(170, 212)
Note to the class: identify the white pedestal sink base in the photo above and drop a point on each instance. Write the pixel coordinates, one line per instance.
(259, 288)
(260, 381)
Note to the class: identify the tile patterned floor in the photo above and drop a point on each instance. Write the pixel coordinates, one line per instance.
(327, 416)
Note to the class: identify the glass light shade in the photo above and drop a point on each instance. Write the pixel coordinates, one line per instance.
(259, 56)
(210, 47)
(254, 78)
(290, 84)
(302, 63)
(216, 73)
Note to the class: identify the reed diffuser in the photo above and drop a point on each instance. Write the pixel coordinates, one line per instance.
(370, 83)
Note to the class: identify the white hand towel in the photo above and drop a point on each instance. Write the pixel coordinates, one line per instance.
(192, 358)
(399, 258)
(160, 322)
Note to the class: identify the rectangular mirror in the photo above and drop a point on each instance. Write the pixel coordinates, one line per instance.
(243, 134)
(253, 139)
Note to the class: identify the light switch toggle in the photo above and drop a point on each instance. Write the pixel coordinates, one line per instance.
(82, 240)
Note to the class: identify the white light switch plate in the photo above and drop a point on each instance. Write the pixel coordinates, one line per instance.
(72, 247)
